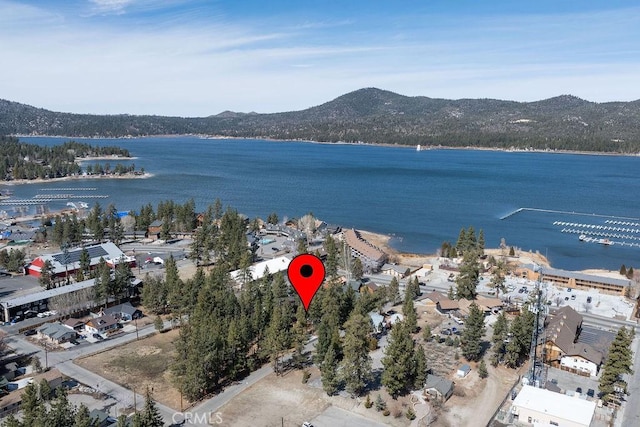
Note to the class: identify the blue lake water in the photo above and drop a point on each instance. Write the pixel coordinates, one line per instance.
(422, 198)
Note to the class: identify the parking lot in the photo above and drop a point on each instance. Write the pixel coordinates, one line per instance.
(583, 301)
(569, 382)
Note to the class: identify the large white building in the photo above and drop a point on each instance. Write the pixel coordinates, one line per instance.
(537, 406)
(257, 271)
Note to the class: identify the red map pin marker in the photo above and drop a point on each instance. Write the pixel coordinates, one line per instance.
(306, 274)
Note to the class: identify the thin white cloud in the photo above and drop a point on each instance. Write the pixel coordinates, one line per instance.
(110, 6)
(189, 66)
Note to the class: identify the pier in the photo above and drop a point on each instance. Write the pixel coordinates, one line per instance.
(50, 197)
(568, 213)
(70, 189)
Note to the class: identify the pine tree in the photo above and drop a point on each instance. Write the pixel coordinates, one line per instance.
(33, 408)
(410, 315)
(426, 333)
(357, 270)
(623, 270)
(356, 364)
(381, 405)
(150, 415)
(500, 328)
(498, 277)
(62, 413)
(82, 417)
(329, 372)
(467, 280)
(399, 375)
(421, 368)
(394, 291)
(619, 362)
(482, 370)
(471, 341)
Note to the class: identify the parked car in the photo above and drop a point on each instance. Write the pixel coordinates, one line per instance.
(579, 390)
(568, 289)
(566, 298)
(30, 332)
(591, 392)
(588, 300)
(74, 342)
(98, 337)
(573, 297)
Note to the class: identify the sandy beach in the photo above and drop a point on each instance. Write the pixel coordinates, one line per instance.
(382, 241)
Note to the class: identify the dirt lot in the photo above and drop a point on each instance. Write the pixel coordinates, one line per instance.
(475, 400)
(140, 363)
(276, 401)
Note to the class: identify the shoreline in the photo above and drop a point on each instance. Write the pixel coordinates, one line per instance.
(382, 241)
(372, 144)
(74, 178)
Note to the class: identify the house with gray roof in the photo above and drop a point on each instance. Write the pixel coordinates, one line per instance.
(123, 312)
(56, 333)
(438, 388)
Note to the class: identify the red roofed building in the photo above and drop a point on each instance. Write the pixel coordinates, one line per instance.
(68, 263)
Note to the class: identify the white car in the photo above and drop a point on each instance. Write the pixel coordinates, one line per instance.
(307, 424)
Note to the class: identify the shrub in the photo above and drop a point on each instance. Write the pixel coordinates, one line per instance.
(386, 412)
(380, 404)
(411, 415)
(368, 403)
(305, 376)
(372, 343)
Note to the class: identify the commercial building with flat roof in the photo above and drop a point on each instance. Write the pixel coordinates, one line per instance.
(537, 406)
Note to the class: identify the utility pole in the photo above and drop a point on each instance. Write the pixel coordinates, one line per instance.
(65, 253)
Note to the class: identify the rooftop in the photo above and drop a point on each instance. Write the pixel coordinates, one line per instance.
(564, 407)
(37, 296)
(585, 277)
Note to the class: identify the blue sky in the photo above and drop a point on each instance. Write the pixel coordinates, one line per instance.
(200, 57)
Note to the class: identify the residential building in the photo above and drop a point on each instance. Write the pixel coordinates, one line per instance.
(372, 257)
(123, 312)
(74, 324)
(154, 229)
(537, 406)
(56, 333)
(101, 325)
(582, 359)
(11, 402)
(561, 347)
(394, 270)
(438, 388)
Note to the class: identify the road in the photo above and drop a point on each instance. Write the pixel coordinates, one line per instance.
(63, 360)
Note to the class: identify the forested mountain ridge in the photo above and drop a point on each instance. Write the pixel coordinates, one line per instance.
(376, 116)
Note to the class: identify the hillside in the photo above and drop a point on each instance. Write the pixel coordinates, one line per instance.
(377, 116)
